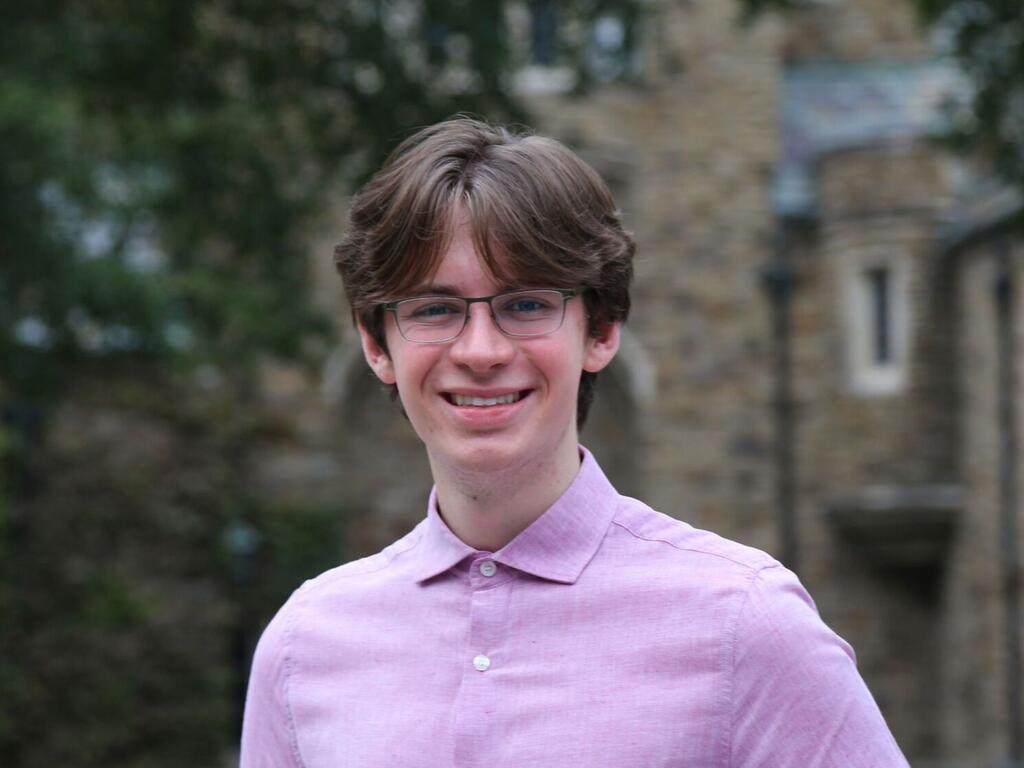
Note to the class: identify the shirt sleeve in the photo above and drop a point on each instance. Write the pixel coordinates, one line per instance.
(268, 731)
(797, 698)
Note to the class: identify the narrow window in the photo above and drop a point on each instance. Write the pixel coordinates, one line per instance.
(877, 322)
(880, 302)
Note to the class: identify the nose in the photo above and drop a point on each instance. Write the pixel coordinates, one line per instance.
(482, 346)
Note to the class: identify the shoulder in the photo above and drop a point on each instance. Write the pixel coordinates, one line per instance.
(689, 572)
(767, 598)
(360, 580)
(765, 610)
(391, 556)
(794, 678)
(316, 622)
(679, 542)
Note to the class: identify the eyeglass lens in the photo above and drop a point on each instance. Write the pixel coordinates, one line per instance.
(439, 318)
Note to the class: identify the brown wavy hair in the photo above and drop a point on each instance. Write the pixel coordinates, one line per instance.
(539, 217)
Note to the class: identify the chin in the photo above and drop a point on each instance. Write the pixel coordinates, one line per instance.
(483, 455)
(499, 452)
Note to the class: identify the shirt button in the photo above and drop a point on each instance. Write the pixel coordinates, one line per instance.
(482, 663)
(488, 568)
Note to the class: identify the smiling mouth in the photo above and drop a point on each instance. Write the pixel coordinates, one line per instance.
(484, 402)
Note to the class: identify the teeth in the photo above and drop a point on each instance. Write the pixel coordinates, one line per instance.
(483, 402)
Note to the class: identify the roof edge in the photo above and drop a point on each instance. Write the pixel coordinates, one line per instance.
(994, 211)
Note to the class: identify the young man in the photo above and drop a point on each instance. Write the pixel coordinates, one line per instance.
(535, 617)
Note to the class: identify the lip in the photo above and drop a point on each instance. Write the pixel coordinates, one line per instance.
(485, 394)
(485, 417)
(492, 392)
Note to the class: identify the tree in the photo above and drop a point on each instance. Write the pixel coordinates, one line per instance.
(987, 40)
(162, 162)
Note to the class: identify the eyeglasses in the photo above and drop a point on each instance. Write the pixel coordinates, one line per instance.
(436, 319)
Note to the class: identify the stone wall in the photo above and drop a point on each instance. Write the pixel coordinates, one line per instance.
(975, 681)
(864, 30)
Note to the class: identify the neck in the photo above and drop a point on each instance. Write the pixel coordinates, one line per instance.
(487, 509)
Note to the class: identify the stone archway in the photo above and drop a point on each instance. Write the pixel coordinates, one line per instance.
(614, 429)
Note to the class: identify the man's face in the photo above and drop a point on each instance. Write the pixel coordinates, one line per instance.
(540, 375)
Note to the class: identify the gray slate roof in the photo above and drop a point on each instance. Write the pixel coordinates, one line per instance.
(828, 106)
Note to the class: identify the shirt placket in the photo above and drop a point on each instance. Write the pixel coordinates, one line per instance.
(477, 740)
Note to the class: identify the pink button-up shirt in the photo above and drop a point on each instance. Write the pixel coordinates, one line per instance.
(605, 635)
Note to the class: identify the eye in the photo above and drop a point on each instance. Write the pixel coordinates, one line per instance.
(527, 304)
(429, 310)
(434, 310)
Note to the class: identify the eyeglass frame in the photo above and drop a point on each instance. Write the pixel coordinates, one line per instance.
(566, 293)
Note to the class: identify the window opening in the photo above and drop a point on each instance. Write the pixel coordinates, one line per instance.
(880, 298)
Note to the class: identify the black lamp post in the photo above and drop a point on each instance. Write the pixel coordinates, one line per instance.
(242, 542)
(779, 280)
(1009, 539)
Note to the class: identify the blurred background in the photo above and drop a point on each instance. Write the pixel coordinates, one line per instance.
(824, 358)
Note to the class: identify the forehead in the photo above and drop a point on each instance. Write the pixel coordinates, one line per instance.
(468, 264)
(492, 241)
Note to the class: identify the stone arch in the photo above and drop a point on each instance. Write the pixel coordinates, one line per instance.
(385, 474)
(614, 429)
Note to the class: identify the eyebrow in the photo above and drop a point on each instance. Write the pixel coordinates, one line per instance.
(443, 289)
(435, 289)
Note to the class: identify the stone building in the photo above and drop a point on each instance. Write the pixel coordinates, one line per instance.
(815, 364)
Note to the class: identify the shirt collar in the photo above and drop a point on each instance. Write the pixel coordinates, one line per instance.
(556, 546)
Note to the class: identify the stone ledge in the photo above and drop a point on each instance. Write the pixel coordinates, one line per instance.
(899, 526)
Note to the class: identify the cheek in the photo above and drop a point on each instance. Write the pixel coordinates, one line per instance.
(412, 369)
(562, 366)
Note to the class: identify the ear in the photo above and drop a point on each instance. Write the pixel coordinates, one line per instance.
(376, 356)
(602, 347)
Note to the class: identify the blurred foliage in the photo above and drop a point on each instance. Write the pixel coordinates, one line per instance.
(163, 167)
(115, 630)
(131, 608)
(163, 162)
(295, 543)
(986, 39)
